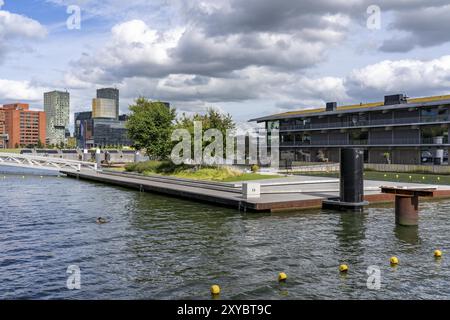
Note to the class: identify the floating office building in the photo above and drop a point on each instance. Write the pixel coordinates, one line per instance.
(398, 130)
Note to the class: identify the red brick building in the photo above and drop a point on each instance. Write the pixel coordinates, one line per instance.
(3, 135)
(24, 127)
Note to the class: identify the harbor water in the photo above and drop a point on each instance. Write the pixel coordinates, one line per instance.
(157, 247)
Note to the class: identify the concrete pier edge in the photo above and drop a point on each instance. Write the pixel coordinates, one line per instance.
(220, 198)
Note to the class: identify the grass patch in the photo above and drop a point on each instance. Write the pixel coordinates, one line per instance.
(223, 174)
(250, 177)
(10, 150)
(394, 177)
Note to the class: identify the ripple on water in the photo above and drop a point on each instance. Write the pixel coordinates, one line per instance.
(159, 247)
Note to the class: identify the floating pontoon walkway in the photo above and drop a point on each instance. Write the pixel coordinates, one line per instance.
(279, 194)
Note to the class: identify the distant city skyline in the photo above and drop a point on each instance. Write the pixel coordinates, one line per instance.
(248, 58)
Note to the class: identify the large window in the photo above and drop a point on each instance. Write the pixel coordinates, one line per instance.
(434, 114)
(273, 125)
(359, 137)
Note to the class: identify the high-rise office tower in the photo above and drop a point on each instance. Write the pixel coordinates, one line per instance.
(57, 108)
(104, 109)
(110, 93)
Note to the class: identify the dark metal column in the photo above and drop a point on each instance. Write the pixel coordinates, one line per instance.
(352, 179)
(351, 182)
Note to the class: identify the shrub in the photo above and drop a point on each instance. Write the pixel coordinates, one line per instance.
(255, 168)
(141, 167)
(183, 171)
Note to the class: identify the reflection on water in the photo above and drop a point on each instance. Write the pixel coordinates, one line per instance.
(158, 247)
(409, 234)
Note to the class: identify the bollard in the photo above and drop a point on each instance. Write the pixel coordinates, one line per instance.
(407, 203)
(351, 183)
(251, 190)
(98, 159)
(406, 210)
(137, 157)
(85, 155)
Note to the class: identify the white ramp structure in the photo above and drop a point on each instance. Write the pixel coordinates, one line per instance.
(44, 163)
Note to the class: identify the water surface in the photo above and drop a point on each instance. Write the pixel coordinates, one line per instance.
(157, 247)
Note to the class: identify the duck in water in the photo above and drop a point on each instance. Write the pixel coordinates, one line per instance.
(101, 220)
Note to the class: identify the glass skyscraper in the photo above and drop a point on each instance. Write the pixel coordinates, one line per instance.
(57, 108)
(110, 93)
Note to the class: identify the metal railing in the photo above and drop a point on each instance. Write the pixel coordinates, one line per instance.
(364, 123)
(403, 141)
(47, 163)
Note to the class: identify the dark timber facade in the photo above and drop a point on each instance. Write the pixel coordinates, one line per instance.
(396, 131)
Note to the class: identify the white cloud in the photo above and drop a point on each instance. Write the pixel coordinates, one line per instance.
(12, 90)
(402, 76)
(229, 52)
(137, 50)
(17, 27)
(423, 27)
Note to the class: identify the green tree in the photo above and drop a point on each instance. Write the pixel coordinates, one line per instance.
(212, 119)
(150, 126)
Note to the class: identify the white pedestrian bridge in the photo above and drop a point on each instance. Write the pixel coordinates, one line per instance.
(44, 163)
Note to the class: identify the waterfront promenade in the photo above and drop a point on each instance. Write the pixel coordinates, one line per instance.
(288, 193)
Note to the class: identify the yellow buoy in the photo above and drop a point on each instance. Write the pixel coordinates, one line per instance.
(423, 178)
(215, 289)
(437, 253)
(343, 268)
(394, 261)
(282, 276)
(410, 177)
(385, 175)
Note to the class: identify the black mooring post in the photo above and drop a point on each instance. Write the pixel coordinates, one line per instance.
(352, 175)
(351, 183)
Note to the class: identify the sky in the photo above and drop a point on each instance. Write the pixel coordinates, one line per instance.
(249, 58)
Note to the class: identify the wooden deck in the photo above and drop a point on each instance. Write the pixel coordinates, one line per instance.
(284, 194)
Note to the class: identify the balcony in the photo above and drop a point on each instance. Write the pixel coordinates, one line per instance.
(365, 123)
(372, 142)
